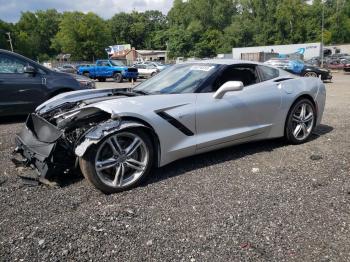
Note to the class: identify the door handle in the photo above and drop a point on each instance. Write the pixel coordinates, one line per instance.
(43, 81)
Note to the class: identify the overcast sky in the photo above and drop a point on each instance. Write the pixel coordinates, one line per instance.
(10, 10)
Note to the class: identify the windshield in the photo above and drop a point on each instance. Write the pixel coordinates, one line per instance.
(177, 79)
(117, 63)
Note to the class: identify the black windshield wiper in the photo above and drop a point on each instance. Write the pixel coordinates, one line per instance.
(122, 92)
(140, 92)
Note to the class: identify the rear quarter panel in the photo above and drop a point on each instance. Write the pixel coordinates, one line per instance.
(297, 87)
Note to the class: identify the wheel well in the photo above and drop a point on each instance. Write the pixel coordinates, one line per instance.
(115, 72)
(60, 91)
(153, 135)
(86, 72)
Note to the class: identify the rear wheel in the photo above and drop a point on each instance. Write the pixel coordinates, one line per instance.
(87, 74)
(310, 74)
(118, 77)
(300, 122)
(119, 162)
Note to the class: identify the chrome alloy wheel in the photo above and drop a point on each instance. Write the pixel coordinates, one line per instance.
(302, 121)
(310, 74)
(121, 159)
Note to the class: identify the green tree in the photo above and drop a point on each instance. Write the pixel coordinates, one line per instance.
(139, 29)
(84, 36)
(34, 33)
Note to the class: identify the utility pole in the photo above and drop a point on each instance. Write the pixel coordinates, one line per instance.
(322, 40)
(10, 40)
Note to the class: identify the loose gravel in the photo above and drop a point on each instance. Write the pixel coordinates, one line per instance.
(264, 201)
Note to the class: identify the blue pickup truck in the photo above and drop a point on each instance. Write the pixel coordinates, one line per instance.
(109, 69)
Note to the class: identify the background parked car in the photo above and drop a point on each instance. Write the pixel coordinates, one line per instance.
(156, 64)
(67, 69)
(347, 66)
(146, 70)
(83, 65)
(335, 64)
(24, 84)
(300, 68)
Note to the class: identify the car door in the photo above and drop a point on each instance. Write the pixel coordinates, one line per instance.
(107, 69)
(239, 115)
(20, 92)
(99, 71)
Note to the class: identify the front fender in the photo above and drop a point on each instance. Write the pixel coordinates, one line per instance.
(96, 134)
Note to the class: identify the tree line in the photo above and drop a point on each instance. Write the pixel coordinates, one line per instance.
(192, 28)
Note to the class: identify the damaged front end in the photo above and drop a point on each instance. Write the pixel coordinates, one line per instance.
(53, 139)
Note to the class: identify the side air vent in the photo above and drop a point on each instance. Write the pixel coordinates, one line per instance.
(175, 123)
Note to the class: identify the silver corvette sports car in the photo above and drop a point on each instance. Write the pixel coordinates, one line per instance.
(116, 136)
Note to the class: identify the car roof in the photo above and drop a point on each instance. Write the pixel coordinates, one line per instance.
(222, 62)
(25, 58)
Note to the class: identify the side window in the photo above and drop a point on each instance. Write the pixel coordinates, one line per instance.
(268, 73)
(99, 63)
(11, 65)
(246, 74)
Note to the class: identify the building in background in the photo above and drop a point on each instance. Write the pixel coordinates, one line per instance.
(306, 51)
(131, 55)
(153, 55)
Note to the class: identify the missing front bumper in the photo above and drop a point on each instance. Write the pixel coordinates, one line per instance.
(40, 147)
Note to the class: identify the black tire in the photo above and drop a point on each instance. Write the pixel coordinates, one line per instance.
(118, 77)
(87, 163)
(86, 74)
(153, 74)
(135, 79)
(290, 126)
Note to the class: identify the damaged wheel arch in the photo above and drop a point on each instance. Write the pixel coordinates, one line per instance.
(96, 134)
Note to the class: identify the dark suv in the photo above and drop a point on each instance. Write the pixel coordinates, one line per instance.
(25, 84)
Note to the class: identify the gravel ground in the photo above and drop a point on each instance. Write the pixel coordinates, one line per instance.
(264, 201)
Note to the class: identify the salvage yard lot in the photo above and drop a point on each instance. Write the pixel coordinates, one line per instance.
(259, 201)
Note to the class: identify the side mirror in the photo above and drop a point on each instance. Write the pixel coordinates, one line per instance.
(29, 70)
(228, 87)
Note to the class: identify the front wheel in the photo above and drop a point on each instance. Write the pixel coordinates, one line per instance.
(120, 161)
(300, 121)
(118, 77)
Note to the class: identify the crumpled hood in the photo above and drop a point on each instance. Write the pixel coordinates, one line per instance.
(117, 104)
(74, 96)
